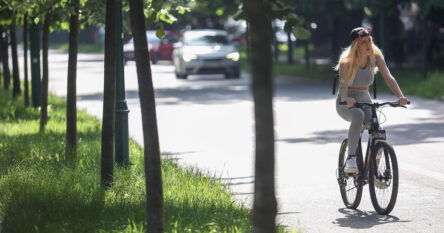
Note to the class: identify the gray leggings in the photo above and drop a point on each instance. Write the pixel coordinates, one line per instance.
(356, 116)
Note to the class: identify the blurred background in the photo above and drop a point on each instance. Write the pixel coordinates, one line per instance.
(410, 33)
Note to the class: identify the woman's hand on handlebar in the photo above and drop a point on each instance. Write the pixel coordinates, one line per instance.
(403, 101)
(350, 101)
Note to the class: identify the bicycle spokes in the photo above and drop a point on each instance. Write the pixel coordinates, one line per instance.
(383, 178)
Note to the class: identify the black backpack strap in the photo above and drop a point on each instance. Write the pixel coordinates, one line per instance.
(335, 80)
(374, 89)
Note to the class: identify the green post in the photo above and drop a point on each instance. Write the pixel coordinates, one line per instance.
(36, 86)
(121, 143)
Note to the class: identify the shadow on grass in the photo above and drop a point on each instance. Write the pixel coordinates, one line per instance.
(46, 211)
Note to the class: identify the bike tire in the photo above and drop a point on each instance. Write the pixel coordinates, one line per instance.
(383, 202)
(350, 193)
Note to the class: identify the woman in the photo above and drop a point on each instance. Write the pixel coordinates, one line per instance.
(357, 65)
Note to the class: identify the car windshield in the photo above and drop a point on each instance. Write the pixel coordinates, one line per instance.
(205, 39)
(152, 39)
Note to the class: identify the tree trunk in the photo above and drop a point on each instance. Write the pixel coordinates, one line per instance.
(15, 65)
(45, 41)
(248, 42)
(335, 45)
(25, 58)
(306, 54)
(71, 105)
(264, 206)
(153, 171)
(5, 58)
(290, 48)
(425, 39)
(109, 96)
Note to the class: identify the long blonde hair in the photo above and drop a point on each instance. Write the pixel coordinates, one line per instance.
(350, 56)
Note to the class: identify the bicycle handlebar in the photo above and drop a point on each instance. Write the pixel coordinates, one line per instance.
(377, 105)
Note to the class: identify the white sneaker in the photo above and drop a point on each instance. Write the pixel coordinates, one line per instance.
(351, 166)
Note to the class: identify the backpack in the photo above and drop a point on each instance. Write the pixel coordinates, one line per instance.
(336, 78)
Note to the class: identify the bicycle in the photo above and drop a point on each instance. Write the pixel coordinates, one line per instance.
(379, 169)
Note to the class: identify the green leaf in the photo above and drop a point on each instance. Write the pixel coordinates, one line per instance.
(181, 10)
(219, 11)
(64, 26)
(36, 20)
(160, 33)
(301, 33)
(165, 16)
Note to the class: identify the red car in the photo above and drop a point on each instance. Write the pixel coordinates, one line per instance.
(160, 49)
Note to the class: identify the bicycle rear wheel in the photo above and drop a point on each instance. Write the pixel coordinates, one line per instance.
(351, 189)
(383, 178)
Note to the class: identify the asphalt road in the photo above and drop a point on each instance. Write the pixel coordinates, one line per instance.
(207, 122)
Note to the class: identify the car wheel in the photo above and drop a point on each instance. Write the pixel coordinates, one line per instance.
(181, 76)
(235, 75)
(155, 58)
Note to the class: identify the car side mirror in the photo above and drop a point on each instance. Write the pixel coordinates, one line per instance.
(177, 45)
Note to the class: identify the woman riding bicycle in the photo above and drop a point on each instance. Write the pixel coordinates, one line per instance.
(357, 65)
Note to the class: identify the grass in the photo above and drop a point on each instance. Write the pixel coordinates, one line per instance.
(43, 191)
(83, 48)
(411, 83)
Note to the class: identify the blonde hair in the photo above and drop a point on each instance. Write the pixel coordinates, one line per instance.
(349, 56)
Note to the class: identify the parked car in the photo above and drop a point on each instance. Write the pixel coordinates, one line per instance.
(160, 49)
(206, 52)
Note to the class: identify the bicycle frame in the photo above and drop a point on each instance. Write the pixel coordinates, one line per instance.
(375, 134)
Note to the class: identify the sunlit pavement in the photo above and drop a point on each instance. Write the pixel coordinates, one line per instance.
(207, 122)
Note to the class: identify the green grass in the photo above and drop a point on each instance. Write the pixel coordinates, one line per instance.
(83, 48)
(413, 84)
(43, 191)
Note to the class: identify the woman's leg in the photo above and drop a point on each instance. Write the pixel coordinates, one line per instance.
(356, 118)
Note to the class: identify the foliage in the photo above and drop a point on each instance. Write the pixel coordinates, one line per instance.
(221, 8)
(284, 10)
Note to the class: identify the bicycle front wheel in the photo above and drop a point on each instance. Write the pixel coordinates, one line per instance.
(349, 186)
(383, 178)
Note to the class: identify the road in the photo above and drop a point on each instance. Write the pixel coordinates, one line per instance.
(207, 122)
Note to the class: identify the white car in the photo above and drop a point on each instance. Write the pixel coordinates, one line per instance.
(206, 52)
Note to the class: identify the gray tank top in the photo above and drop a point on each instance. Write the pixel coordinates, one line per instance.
(363, 77)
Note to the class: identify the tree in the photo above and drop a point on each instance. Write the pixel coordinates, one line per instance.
(259, 14)
(45, 69)
(158, 12)
(109, 95)
(264, 206)
(25, 57)
(15, 65)
(5, 57)
(430, 30)
(149, 121)
(71, 105)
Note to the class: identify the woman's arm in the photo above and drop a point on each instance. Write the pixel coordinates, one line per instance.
(389, 80)
(343, 85)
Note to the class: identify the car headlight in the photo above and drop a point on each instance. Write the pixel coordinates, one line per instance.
(189, 57)
(233, 56)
